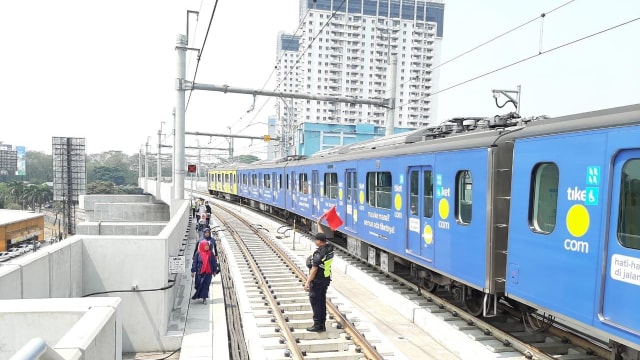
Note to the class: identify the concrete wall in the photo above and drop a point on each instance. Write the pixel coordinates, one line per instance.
(55, 271)
(120, 228)
(84, 264)
(128, 212)
(88, 202)
(74, 328)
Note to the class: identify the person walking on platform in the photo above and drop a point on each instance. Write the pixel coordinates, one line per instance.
(206, 235)
(193, 208)
(319, 279)
(203, 268)
(207, 209)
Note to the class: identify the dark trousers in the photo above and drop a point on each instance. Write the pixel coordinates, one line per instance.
(318, 300)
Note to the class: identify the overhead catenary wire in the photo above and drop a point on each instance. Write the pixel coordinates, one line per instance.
(204, 42)
(521, 61)
(541, 16)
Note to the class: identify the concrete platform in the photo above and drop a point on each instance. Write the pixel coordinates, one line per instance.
(205, 332)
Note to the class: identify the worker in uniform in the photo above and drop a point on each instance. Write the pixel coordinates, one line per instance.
(319, 279)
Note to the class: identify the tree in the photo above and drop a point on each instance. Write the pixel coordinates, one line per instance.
(36, 196)
(39, 167)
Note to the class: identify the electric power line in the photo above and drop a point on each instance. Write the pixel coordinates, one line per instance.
(541, 16)
(522, 60)
(204, 42)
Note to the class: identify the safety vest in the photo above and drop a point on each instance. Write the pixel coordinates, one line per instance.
(326, 252)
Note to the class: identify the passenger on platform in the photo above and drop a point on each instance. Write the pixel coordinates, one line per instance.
(202, 270)
(202, 209)
(193, 208)
(203, 223)
(319, 279)
(206, 235)
(208, 209)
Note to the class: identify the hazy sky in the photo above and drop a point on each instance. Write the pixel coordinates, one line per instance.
(105, 70)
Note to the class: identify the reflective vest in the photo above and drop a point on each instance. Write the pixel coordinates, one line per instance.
(326, 253)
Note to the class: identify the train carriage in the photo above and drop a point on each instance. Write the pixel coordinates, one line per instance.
(573, 235)
(545, 213)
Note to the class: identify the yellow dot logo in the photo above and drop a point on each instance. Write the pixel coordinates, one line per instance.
(427, 234)
(361, 197)
(340, 194)
(578, 220)
(321, 192)
(398, 202)
(443, 208)
(355, 215)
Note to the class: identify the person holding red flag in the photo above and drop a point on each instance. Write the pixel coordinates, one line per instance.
(319, 279)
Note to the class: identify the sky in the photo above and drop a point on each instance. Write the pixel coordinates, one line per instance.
(105, 70)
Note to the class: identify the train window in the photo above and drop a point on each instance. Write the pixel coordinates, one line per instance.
(414, 189)
(464, 198)
(303, 186)
(331, 185)
(428, 195)
(629, 211)
(245, 179)
(267, 181)
(379, 189)
(279, 181)
(254, 180)
(226, 179)
(544, 197)
(287, 181)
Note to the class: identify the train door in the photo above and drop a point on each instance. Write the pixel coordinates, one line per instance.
(274, 187)
(315, 193)
(293, 189)
(622, 280)
(351, 183)
(420, 212)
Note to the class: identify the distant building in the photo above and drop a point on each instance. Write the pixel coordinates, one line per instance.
(314, 137)
(349, 58)
(17, 226)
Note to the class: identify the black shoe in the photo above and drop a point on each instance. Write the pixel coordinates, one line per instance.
(317, 328)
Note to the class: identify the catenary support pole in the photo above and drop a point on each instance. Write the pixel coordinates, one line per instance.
(178, 138)
(159, 166)
(391, 92)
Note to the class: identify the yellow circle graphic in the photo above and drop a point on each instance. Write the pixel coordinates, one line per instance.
(578, 220)
(355, 215)
(361, 197)
(427, 234)
(443, 208)
(398, 202)
(340, 194)
(321, 192)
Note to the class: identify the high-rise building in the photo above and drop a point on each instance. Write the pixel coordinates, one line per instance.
(287, 77)
(347, 55)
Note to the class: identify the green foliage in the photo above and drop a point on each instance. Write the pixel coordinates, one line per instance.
(106, 187)
(39, 167)
(247, 159)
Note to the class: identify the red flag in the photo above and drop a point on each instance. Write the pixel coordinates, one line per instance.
(333, 219)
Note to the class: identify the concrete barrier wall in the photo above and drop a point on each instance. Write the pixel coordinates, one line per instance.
(120, 228)
(88, 202)
(51, 272)
(87, 327)
(142, 212)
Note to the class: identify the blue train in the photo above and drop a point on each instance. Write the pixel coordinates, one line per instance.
(545, 214)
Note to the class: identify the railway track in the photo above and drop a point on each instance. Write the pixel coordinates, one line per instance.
(279, 306)
(508, 333)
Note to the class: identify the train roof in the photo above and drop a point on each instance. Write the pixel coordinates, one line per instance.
(600, 119)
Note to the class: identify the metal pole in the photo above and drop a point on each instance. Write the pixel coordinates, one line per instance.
(140, 163)
(391, 91)
(518, 101)
(178, 138)
(159, 166)
(146, 165)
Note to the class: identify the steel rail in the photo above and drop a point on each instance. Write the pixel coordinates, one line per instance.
(367, 349)
(296, 353)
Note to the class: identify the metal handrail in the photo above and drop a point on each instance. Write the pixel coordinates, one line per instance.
(36, 348)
